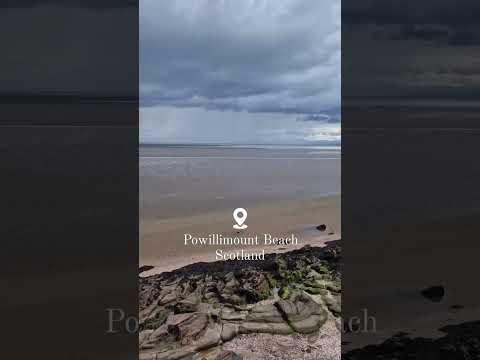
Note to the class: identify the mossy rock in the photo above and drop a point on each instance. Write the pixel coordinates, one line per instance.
(156, 321)
(314, 291)
(321, 268)
(264, 294)
(294, 276)
(284, 292)
(334, 286)
(272, 282)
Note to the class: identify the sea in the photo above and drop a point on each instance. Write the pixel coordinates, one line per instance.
(182, 179)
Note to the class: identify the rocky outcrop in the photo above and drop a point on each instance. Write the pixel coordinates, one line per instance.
(460, 342)
(189, 312)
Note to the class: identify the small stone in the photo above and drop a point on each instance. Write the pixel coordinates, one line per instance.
(434, 293)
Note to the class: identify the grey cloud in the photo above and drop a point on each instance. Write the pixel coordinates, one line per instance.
(331, 118)
(421, 32)
(411, 12)
(410, 48)
(452, 35)
(93, 4)
(60, 49)
(257, 56)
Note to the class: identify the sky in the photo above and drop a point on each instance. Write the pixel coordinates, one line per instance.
(252, 71)
(416, 49)
(74, 42)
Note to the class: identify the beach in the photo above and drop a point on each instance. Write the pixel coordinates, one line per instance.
(193, 190)
(162, 241)
(286, 251)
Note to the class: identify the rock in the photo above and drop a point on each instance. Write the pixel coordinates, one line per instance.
(234, 315)
(176, 354)
(315, 275)
(145, 268)
(333, 303)
(265, 313)
(190, 330)
(187, 313)
(210, 338)
(434, 293)
(302, 313)
(189, 304)
(228, 355)
(284, 292)
(460, 342)
(168, 298)
(233, 299)
(175, 320)
(310, 324)
(143, 337)
(258, 287)
(160, 333)
(229, 331)
(269, 328)
(210, 296)
(155, 319)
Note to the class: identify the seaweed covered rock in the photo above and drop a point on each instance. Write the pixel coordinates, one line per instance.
(195, 309)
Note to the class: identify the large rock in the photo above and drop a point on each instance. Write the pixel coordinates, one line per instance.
(229, 331)
(210, 338)
(188, 313)
(189, 304)
(269, 328)
(264, 313)
(190, 330)
(302, 313)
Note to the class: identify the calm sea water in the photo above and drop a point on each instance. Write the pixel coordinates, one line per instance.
(179, 180)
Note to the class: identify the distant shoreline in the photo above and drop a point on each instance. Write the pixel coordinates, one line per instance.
(334, 145)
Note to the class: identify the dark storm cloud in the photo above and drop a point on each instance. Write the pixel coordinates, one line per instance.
(411, 48)
(59, 48)
(257, 56)
(421, 32)
(431, 20)
(440, 34)
(94, 4)
(466, 12)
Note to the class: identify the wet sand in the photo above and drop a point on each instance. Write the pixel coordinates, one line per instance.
(442, 251)
(162, 240)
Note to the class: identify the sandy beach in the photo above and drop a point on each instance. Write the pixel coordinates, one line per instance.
(415, 257)
(162, 240)
(189, 193)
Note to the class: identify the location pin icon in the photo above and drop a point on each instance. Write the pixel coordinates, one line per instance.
(240, 215)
